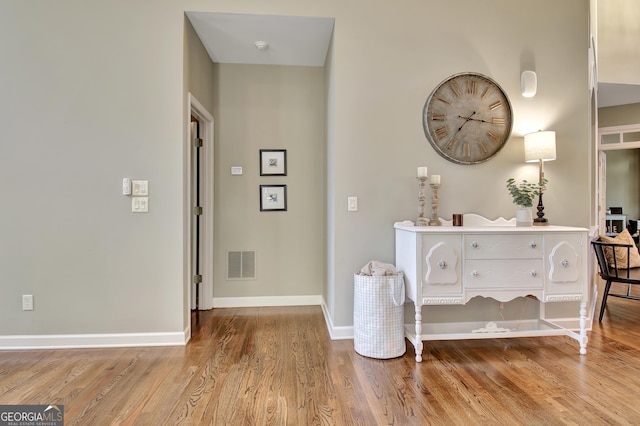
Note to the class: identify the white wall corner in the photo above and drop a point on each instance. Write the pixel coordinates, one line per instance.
(336, 333)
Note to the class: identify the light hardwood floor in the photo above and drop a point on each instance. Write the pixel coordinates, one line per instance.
(277, 366)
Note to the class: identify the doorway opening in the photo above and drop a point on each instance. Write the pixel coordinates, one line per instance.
(199, 206)
(618, 177)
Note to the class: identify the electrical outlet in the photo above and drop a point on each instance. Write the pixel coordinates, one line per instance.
(27, 302)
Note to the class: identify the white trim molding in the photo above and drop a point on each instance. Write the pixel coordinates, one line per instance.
(336, 333)
(110, 340)
(120, 340)
(620, 137)
(255, 302)
(196, 109)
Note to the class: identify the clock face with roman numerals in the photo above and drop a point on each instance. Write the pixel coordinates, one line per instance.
(467, 118)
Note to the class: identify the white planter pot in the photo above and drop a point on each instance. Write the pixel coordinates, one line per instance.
(524, 217)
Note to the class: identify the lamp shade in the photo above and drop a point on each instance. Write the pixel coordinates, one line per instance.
(540, 146)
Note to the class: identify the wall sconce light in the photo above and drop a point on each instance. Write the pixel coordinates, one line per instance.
(529, 84)
(540, 147)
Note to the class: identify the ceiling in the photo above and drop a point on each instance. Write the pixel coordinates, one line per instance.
(304, 41)
(292, 40)
(617, 94)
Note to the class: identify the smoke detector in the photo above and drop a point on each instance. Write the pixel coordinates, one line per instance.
(261, 45)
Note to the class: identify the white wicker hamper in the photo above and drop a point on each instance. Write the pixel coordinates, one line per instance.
(378, 316)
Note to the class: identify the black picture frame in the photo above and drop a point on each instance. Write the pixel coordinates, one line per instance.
(273, 198)
(273, 162)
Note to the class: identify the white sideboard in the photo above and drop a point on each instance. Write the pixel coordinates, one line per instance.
(447, 265)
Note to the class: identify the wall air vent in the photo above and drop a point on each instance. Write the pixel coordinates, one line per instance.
(241, 265)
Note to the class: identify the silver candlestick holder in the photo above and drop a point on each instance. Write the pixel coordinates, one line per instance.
(434, 205)
(422, 183)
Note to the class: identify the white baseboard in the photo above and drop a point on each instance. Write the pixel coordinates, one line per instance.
(116, 340)
(254, 302)
(73, 341)
(336, 333)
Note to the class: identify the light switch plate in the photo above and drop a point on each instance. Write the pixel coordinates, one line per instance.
(126, 186)
(236, 170)
(140, 188)
(352, 203)
(140, 204)
(27, 302)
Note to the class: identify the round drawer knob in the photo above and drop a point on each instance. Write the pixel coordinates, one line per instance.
(533, 273)
(442, 264)
(564, 263)
(533, 244)
(476, 274)
(474, 245)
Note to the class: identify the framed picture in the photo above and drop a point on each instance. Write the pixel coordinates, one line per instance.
(273, 198)
(273, 162)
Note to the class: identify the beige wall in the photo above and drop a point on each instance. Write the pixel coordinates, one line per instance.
(619, 115)
(99, 90)
(92, 92)
(270, 107)
(199, 79)
(379, 139)
(623, 180)
(199, 73)
(618, 32)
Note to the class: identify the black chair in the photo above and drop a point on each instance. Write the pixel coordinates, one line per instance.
(615, 274)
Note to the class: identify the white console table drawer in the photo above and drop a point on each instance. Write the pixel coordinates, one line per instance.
(501, 274)
(484, 246)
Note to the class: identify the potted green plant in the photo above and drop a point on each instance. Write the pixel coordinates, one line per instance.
(523, 194)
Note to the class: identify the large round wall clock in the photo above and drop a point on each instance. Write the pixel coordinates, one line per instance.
(467, 118)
